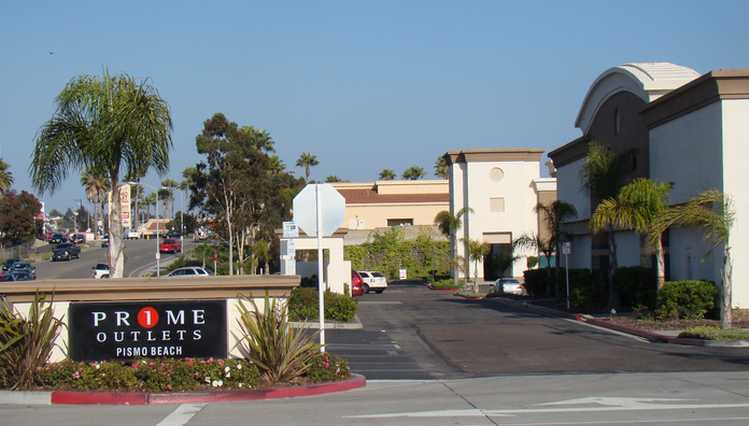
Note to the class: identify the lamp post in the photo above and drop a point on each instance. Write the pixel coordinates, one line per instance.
(158, 225)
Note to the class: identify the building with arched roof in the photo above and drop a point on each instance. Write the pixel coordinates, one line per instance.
(671, 124)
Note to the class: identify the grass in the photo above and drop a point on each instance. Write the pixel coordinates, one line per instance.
(715, 333)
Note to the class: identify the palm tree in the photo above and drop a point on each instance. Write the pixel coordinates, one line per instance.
(307, 161)
(414, 173)
(441, 167)
(713, 212)
(387, 174)
(333, 179)
(601, 176)
(150, 200)
(6, 177)
(535, 243)
(114, 124)
(263, 255)
(449, 225)
(555, 214)
(167, 193)
(476, 251)
(96, 185)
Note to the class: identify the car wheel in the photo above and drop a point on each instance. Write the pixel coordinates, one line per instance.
(380, 291)
(365, 288)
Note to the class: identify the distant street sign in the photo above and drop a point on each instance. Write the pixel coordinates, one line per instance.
(290, 230)
(332, 206)
(566, 248)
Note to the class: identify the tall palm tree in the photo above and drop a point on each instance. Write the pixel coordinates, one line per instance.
(638, 206)
(476, 251)
(449, 225)
(601, 175)
(169, 185)
(96, 186)
(307, 161)
(6, 177)
(414, 173)
(386, 174)
(114, 124)
(150, 200)
(713, 212)
(441, 167)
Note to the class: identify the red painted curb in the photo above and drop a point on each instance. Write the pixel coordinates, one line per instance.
(138, 398)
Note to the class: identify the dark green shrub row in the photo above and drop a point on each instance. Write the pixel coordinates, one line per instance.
(586, 291)
(303, 305)
(689, 300)
(448, 283)
(636, 286)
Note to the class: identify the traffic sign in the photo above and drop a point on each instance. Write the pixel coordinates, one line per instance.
(290, 230)
(332, 207)
(566, 247)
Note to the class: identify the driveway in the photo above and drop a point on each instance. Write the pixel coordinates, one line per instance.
(416, 333)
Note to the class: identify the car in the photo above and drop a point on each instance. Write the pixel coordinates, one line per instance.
(9, 263)
(17, 276)
(373, 281)
(133, 234)
(170, 245)
(509, 285)
(78, 239)
(23, 266)
(105, 241)
(58, 239)
(66, 251)
(101, 271)
(189, 271)
(356, 284)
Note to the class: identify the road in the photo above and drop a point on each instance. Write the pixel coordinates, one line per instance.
(139, 258)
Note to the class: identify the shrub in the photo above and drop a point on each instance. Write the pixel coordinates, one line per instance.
(636, 286)
(715, 333)
(685, 300)
(303, 305)
(325, 367)
(448, 283)
(281, 353)
(26, 343)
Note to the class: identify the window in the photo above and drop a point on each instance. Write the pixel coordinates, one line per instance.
(617, 122)
(364, 274)
(497, 204)
(377, 275)
(400, 222)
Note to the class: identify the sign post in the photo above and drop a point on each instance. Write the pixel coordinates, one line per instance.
(318, 211)
(566, 250)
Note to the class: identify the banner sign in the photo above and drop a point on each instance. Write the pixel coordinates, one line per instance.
(111, 331)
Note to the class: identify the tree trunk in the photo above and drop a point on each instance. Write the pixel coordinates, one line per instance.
(660, 264)
(116, 254)
(612, 268)
(267, 267)
(231, 244)
(726, 302)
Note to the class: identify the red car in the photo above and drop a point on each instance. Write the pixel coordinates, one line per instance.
(170, 245)
(356, 284)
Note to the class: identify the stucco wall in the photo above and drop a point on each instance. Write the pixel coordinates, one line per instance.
(581, 255)
(370, 216)
(628, 249)
(570, 189)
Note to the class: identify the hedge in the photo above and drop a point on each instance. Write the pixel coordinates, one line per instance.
(586, 291)
(688, 299)
(636, 286)
(304, 305)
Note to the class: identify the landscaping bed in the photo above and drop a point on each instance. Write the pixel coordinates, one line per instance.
(446, 285)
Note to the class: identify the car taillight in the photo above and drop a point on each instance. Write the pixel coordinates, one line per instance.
(356, 280)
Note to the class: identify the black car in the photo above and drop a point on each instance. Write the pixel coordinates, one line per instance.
(57, 239)
(17, 276)
(66, 251)
(9, 263)
(23, 266)
(105, 241)
(78, 239)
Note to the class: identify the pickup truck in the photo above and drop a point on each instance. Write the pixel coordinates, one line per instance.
(66, 251)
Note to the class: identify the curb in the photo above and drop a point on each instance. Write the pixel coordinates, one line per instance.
(329, 324)
(148, 398)
(429, 286)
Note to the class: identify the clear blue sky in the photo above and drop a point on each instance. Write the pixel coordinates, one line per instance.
(363, 85)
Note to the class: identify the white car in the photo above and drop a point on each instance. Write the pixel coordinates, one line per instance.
(133, 234)
(510, 285)
(189, 271)
(373, 281)
(101, 271)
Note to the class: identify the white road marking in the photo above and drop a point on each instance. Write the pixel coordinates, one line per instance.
(710, 420)
(181, 415)
(608, 330)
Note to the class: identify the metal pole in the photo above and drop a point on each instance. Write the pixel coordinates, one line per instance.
(158, 253)
(182, 223)
(320, 290)
(567, 273)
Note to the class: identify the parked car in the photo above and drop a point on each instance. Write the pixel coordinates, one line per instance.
(17, 276)
(101, 271)
(78, 239)
(133, 234)
(66, 251)
(58, 239)
(23, 266)
(170, 245)
(105, 241)
(189, 271)
(356, 284)
(9, 263)
(509, 285)
(373, 281)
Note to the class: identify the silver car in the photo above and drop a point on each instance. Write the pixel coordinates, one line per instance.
(189, 271)
(509, 285)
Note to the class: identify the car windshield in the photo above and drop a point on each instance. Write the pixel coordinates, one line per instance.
(377, 275)
(102, 266)
(21, 265)
(168, 241)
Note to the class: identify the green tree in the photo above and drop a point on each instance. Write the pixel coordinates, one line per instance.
(441, 167)
(386, 174)
(554, 215)
(638, 206)
(414, 173)
(535, 243)
(333, 179)
(166, 193)
(114, 124)
(476, 252)
(6, 177)
(307, 161)
(18, 218)
(96, 186)
(601, 175)
(449, 224)
(713, 212)
(149, 201)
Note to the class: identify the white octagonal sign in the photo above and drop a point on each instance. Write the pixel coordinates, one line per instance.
(332, 205)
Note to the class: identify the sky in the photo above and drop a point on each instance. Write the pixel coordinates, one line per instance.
(362, 85)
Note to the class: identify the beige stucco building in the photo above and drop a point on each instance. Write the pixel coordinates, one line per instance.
(671, 124)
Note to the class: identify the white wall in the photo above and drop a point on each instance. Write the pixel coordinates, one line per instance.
(735, 157)
(570, 189)
(627, 249)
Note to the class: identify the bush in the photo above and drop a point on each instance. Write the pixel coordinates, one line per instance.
(448, 283)
(685, 300)
(636, 286)
(326, 367)
(715, 333)
(303, 305)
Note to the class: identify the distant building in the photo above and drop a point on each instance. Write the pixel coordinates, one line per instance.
(667, 123)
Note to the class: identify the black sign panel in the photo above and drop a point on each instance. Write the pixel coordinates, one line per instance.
(107, 331)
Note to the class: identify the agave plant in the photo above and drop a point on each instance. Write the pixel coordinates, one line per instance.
(281, 353)
(26, 343)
